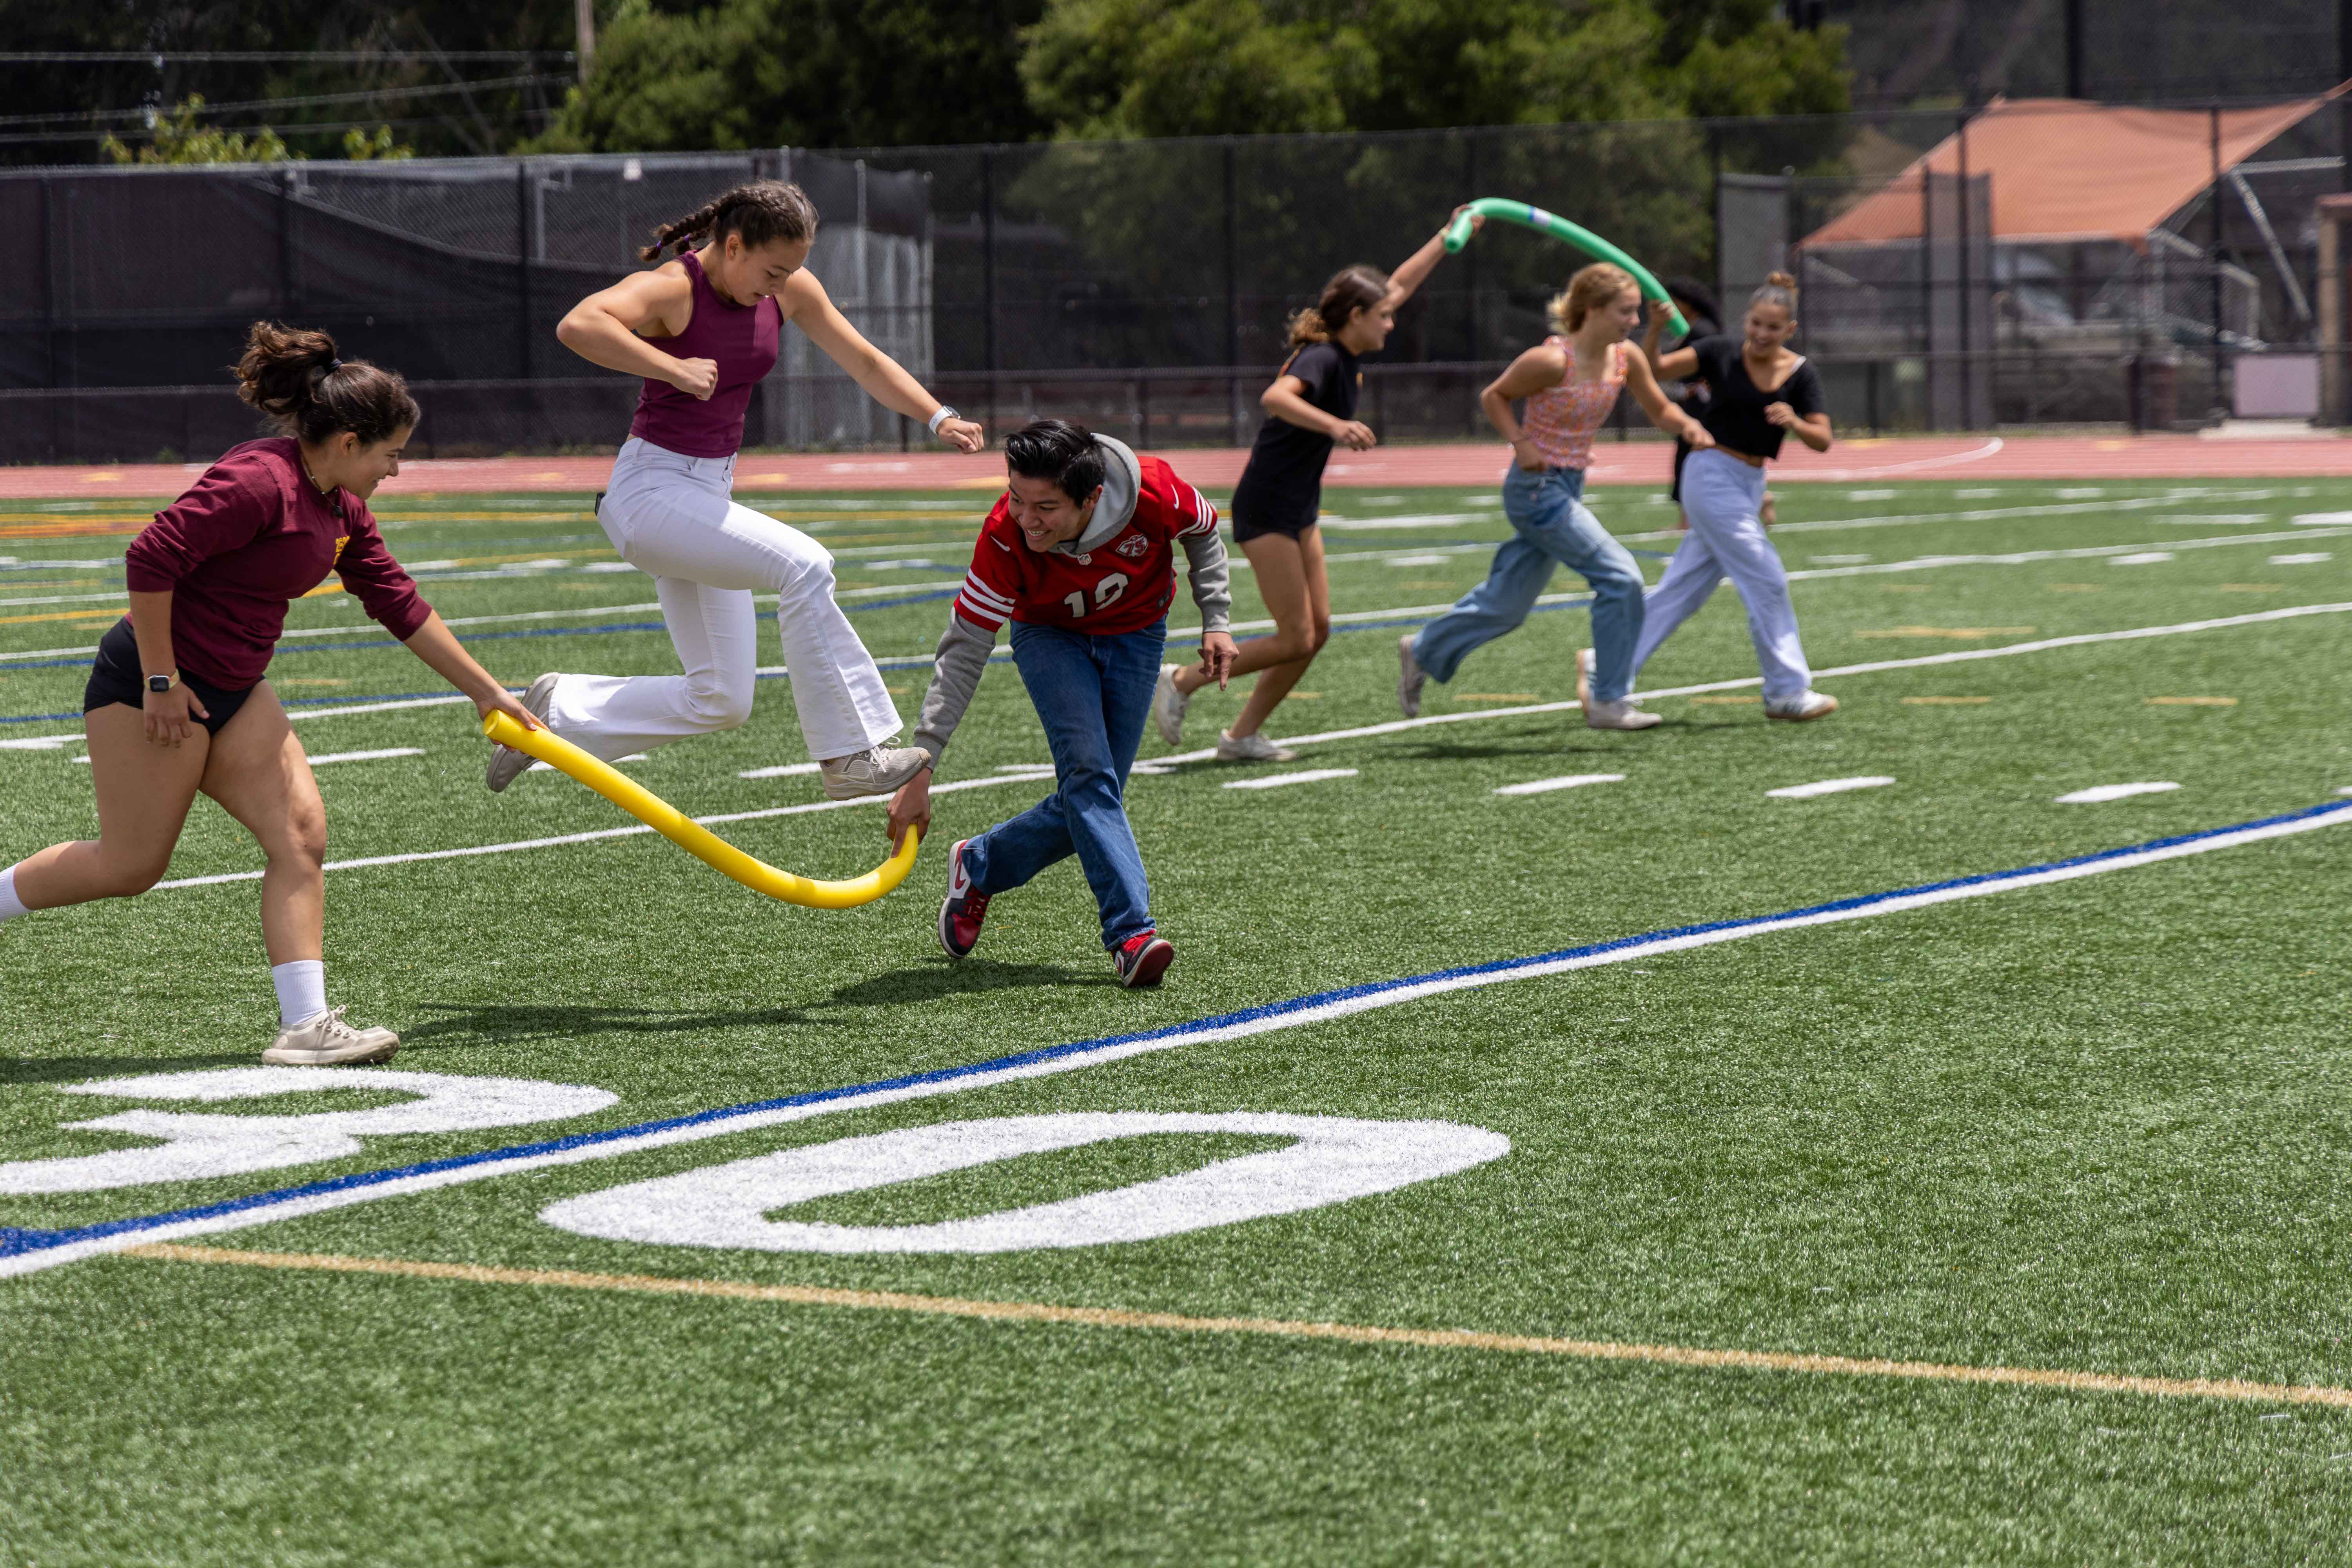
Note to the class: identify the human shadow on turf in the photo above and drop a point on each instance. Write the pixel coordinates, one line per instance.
(943, 977)
(503, 1024)
(61, 1069)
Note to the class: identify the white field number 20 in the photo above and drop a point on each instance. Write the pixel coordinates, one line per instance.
(1107, 593)
(1325, 1160)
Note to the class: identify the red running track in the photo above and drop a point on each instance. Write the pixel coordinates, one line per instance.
(1952, 458)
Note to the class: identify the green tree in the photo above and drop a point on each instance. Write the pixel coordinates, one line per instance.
(1159, 68)
(767, 73)
(179, 139)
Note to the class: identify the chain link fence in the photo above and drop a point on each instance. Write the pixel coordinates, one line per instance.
(1142, 285)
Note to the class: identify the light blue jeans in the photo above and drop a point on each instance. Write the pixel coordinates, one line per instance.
(1723, 498)
(1092, 694)
(1555, 529)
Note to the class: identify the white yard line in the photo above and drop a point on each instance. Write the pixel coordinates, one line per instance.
(1309, 776)
(1304, 1012)
(2097, 793)
(1829, 786)
(1569, 780)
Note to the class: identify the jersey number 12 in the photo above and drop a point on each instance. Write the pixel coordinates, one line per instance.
(1107, 591)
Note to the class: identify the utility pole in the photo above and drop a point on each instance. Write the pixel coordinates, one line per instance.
(584, 17)
(2076, 50)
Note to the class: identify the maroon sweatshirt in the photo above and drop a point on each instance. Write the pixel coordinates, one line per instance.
(250, 537)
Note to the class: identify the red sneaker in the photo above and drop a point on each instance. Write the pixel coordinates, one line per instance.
(1141, 960)
(960, 915)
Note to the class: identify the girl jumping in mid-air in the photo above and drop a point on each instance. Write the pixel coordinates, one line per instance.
(702, 330)
(1571, 381)
(177, 703)
(1310, 408)
(1759, 390)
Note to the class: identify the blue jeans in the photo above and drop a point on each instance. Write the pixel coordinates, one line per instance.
(1548, 511)
(1093, 694)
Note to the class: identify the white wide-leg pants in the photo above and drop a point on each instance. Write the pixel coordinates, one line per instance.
(674, 518)
(1722, 497)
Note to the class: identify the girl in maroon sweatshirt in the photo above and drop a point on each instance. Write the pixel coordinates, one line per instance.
(177, 702)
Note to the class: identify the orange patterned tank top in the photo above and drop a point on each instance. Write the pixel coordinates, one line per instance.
(1561, 419)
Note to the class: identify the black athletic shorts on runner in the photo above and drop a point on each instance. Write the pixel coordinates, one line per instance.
(1253, 522)
(117, 678)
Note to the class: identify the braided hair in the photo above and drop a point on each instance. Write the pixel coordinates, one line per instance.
(292, 374)
(762, 212)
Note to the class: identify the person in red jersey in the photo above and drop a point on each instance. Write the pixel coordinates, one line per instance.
(1079, 555)
(177, 703)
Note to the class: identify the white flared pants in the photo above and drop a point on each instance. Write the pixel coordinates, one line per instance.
(675, 517)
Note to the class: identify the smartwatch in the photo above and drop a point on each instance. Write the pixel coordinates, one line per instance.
(160, 684)
(941, 417)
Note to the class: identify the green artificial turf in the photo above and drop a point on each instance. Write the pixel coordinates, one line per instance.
(2098, 1125)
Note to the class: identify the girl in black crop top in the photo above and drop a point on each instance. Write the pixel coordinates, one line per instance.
(1760, 394)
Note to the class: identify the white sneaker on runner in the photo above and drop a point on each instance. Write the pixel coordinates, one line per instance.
(877, 770)
(1621, 715)
(1167, 705)
(324, 1039)
(1232, 748)
(507, 764)
(1409, 677)
(1808, 705)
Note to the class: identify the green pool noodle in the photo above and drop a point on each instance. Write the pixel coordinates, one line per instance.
(1457, 234)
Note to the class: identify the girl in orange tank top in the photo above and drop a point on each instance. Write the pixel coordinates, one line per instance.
(1570, 382)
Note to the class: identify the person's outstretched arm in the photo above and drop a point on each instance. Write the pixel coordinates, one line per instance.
(603, 329)
(885, 381)
(1662, 411)
(439, 647)
(1675, 366)
(1415, 269)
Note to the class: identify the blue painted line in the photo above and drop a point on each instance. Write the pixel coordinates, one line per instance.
(17, 1242)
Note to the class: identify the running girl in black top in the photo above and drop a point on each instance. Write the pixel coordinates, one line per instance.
(1760, 391)
(1310, 408)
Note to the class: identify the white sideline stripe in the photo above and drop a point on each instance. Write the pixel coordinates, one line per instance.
(1396, 726)
(2098, 792)
(592, 837)
(1346, 1006)
(367, 756)
(1828, 786)
(784, 771)
(1986, 514)
(1569, 780)
(1309, 776)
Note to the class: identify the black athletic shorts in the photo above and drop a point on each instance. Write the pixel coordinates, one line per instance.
(1257, 522)
(117, 678)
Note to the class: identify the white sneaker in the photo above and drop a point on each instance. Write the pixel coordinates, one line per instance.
(1620, 715)
(1808, 705)
(1167, 705)
(507, 764)
(1409, 677)
(877, 770)
(1232, 748)
(323, 1040)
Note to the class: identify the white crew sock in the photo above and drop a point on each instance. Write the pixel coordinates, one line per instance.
(11, 906)
(302, 989)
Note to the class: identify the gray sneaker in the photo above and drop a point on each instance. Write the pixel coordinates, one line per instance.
(323, 1040)
(1167, 705)
(1409, 677)
(877, 770)
(1253, 748)
(507, 764)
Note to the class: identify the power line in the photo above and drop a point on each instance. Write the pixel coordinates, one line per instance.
(265, 105)
(285, 132)
(274, 56)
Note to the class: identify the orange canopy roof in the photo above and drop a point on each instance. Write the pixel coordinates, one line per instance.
(2063, 169)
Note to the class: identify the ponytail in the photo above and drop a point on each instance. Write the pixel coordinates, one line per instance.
(1352, 288)
(292, 375)
(762, 212)
(1780, 289)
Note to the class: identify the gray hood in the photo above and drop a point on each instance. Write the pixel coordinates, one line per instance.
(1122, 482)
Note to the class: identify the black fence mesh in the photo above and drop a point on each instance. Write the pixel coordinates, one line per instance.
(1143, 284)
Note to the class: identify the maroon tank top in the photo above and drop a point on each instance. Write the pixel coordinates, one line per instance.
(741, 340)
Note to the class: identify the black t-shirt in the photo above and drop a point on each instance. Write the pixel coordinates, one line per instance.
(1283, 480)
(1734, 411)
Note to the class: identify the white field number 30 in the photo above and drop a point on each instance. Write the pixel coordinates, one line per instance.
(1327, 1159)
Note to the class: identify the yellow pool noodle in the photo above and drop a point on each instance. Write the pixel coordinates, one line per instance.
(691, 835)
